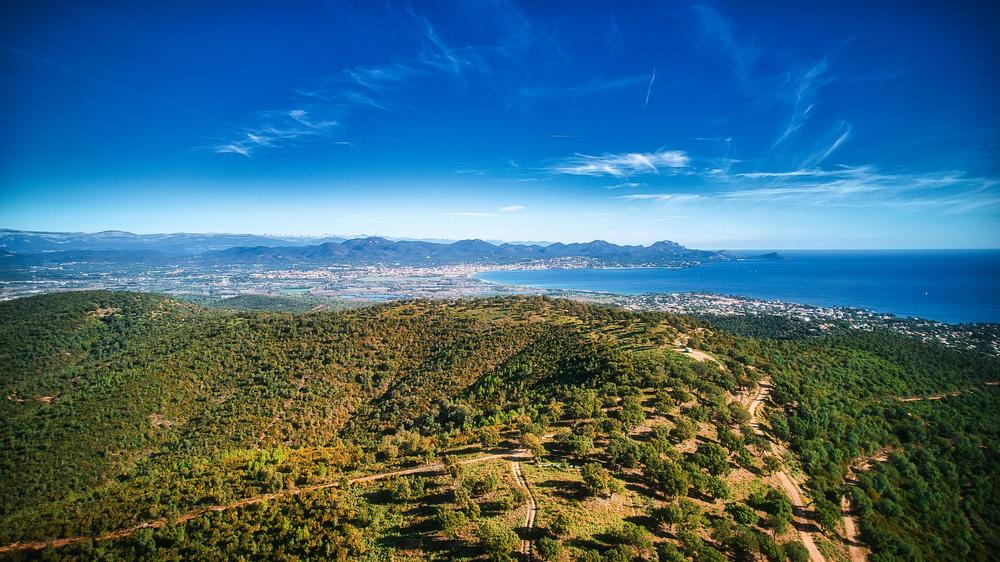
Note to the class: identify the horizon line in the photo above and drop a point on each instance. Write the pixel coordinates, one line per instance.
(433, 239)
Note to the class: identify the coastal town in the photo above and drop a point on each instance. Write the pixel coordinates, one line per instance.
(818, 320)
(354, 285)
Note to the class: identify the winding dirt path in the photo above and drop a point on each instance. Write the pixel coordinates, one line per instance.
(851, 532)
(437, 466)
(787, 484)
(931, 397)
(529, 518)
(798, 505)
(944, 395)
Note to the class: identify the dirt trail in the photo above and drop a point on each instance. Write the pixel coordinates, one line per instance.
(794, 493)
(944, 395)
(437, 466)
(763, 389)
(851, 532)
(931, 397)
(529, 518)
(789, 485)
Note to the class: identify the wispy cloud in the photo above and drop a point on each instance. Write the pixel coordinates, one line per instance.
(443, 58)
(499, 212)
(627, 184)
(647, 197)
(595, 86)
(649, 89)
(316, 111)
(850, 186)
(798, 85)
(675, 197)
(805, 87)
(621, 165)
(279, 128)
(716, 27)
(842, 132)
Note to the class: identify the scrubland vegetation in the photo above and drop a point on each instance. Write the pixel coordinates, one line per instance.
(249, 435)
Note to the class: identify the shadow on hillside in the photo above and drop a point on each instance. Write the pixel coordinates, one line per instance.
(423, 533)
(566, 489)
(807, 526)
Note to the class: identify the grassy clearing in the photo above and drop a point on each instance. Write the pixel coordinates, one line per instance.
(559, 489)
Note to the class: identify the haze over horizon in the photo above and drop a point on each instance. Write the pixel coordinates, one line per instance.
(715, 125)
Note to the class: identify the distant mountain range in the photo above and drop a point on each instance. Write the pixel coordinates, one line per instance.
(24, 248)
(380, 250)
(31, 242)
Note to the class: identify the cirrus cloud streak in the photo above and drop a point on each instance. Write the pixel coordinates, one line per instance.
(622, 165)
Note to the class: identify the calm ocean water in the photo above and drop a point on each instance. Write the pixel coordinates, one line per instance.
(950, 286)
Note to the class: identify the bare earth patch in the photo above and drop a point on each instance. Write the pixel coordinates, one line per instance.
(102, 312)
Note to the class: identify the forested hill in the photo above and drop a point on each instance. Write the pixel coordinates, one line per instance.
(133, 426)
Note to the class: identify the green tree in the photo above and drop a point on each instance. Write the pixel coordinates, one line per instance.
(670, 515)
(670, 478)
(548, 548)
(534, 444)
(622, 452)
(683, 430)
(713, 458)
(451, 522)
(498, 540)
(796, 552)
(598, 481)
(560, 524)
(742, 513)
(632, 535)
(490, 436)
(631, 414)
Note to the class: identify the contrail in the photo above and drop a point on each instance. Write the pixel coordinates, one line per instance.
(649, 89)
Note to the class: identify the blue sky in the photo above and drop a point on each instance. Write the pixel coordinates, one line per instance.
(718, 125)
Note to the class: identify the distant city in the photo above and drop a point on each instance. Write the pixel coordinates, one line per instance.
(176, 265)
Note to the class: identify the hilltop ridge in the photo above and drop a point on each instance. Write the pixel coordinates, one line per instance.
(444, 429)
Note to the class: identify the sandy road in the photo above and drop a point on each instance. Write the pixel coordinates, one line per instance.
(529, 517)
(856, 552)
(787, 484)
(852, 534)
(794, 493)
(437, 466)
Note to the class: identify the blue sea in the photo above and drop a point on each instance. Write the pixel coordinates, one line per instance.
(950, 286)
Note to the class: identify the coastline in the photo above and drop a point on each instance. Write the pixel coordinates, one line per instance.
(809, 319)
(947, 287)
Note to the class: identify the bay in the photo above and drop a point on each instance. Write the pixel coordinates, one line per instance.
(946, 285)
